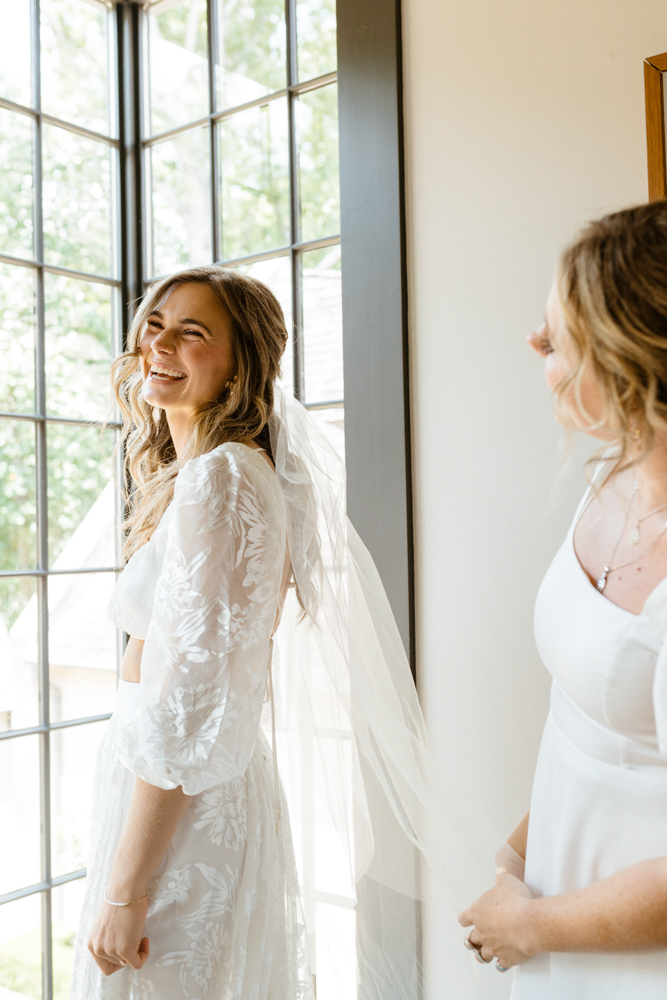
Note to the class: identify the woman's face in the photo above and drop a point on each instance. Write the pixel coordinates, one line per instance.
(553, 343)
(186, 350)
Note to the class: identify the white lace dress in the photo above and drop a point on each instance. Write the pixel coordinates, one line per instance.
(224, 917)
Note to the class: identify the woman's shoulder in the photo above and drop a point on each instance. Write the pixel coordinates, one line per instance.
(225, 465)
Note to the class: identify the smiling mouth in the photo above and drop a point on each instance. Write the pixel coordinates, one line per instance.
(158, 373)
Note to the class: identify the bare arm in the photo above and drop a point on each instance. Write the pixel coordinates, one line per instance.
(625, 912)
(518, 839)
(151, 824)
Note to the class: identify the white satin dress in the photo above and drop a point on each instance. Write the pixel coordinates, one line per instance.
(599, 801)
(224, 917)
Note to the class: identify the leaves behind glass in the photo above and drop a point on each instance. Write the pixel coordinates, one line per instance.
(255, 180)
(17, 495)
(79, 467)
(319, 185)
(181, 201)
(17, 339)
(251, 50)
(178, 64)
(74, 62)
(316, 37)
(21, 945)
(77, 201)
(16, 190)
(78, 348)
(15, 68)
(322, 324)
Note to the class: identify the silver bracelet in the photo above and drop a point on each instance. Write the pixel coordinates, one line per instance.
(112, 903)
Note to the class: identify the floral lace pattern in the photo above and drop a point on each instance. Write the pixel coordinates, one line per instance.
(205, 657)
(224, 916)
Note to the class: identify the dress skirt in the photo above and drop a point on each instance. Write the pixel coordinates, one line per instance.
(224, 919)
(599, 805)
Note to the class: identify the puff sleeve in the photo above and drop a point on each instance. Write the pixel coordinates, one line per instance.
(206, 653)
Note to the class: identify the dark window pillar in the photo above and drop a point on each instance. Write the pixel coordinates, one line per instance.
(377, 433)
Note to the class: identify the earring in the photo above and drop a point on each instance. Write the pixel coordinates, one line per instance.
(635, 433)
(231, 382)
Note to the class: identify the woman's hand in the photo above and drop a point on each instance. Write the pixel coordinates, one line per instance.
(116, 940)
(501, 921)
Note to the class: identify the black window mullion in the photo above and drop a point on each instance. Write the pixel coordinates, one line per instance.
(216, 238)
(295, 234)
(42, 525)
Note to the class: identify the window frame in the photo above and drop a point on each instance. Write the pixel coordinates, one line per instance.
(375, 296)
(41, 421)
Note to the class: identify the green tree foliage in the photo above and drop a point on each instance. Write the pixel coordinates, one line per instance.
(77, 225)
(316, 37)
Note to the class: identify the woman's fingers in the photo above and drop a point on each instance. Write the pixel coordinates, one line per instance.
(465, 918)
(111, 959)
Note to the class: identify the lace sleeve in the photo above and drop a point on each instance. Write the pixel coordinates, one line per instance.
(205, 658)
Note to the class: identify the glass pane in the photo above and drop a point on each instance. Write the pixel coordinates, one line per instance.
(82, 645)
(322, 324)
(75, 59)
(17, 495)
(73, 755)
(77, 202)
(332, 424)
(181, 184)
(19, 830)
(78, 348)
(16, 132)
(15, 68)
(21, 948)
(66, 903)
(254, 167)
(178, 64)
(335, 952)
(316, 115)
(19, 696)
(276, 274)
(251, 50)
(316, 37)
(17, 339)
(80, 494)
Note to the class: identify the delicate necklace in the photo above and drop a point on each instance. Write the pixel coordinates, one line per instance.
(635, 535)
(602, 581)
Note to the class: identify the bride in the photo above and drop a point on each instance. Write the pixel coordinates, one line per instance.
(238, 542)
(594, 924)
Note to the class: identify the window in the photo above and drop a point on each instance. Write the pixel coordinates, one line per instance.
(60, 306)
(240, 126)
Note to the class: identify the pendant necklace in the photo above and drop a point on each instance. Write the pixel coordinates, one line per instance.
(602, 580)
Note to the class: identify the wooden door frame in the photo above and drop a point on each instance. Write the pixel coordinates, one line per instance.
(654, 67)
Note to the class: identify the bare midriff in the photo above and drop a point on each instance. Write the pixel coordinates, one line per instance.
(131, 668)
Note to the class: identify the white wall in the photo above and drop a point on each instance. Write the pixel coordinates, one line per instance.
(524, 118)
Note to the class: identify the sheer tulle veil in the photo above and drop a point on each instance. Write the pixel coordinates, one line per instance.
(372, 825)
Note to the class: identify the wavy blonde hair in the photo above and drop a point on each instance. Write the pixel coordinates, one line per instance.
(241, 413)
(612, 286)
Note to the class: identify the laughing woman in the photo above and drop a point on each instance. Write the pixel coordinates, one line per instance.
(192, 889)
(595, 840)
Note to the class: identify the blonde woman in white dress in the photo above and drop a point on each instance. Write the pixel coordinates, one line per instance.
(238, 541)
(588, 919)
